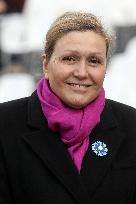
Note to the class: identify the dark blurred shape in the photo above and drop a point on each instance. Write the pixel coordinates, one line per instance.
(14, 5)
(124, 35)
(9, 7)
(3, 6)
(16, 59)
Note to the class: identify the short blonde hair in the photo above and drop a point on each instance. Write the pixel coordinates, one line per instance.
(75, 21)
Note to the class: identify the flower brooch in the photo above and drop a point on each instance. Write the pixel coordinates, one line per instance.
(99, 148)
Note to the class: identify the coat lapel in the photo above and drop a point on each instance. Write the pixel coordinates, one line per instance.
(52, 152)
(95, 167)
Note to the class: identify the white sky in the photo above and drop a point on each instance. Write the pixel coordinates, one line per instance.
(40, 13)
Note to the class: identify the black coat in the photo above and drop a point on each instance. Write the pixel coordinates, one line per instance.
(35, 167)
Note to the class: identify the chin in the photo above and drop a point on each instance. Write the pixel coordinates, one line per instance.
(77, 102)
(77, 105)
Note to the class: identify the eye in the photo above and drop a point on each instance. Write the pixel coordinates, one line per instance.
(70, 59)
(94, 61)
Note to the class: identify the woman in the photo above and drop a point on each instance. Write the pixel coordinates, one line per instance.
(66, 143)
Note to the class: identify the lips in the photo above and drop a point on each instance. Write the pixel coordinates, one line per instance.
(79, 85)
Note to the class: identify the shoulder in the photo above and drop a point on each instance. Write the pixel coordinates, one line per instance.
(121, 110)
(14, 106)
(13, 114)
(125, 115)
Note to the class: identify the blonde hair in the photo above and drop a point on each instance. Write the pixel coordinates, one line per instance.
(75, 21)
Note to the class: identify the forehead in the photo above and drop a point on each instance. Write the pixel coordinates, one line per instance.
(87, 41)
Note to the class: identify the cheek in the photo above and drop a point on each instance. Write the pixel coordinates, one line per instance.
(102, 76)
(99, 76)
(52, 73)
(59, 73)
(55, 77)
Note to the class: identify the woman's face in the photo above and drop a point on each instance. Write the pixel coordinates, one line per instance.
(77, 68)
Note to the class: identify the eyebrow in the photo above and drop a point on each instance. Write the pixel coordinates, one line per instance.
(77, 52)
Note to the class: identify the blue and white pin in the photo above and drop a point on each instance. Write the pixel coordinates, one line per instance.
(100, 148)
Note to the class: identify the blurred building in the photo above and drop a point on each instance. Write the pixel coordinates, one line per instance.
(120, 83)
(14, 6)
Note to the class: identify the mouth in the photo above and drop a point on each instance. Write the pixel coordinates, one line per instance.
(79, 85)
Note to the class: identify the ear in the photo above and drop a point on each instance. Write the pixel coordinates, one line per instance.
(45, 67)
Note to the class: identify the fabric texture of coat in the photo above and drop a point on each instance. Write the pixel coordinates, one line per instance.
(35, 167)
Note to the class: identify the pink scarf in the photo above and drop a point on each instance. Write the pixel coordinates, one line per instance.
(74, 125)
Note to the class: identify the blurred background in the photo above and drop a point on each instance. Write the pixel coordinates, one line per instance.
(23, 25)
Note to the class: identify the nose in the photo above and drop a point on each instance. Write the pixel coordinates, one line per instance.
(81, 70)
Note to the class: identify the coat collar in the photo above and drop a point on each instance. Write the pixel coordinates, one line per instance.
(52, 151)
(36, 118)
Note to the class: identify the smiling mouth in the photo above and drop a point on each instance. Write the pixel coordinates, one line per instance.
(79, 85)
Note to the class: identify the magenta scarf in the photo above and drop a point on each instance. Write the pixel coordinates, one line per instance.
(73, 125)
